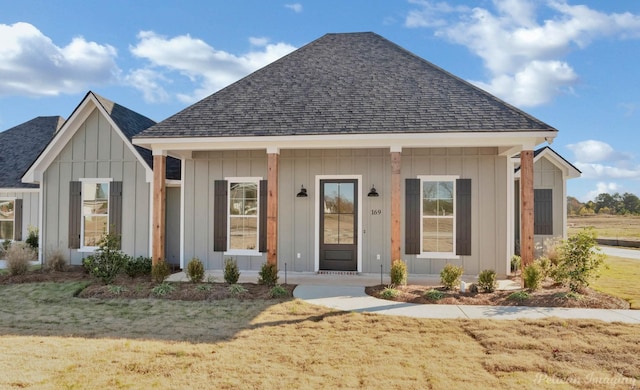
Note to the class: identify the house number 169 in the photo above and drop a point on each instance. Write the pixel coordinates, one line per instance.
(376, 212)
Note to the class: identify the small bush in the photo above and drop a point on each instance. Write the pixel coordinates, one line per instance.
(434, 295)
(389, 293)
(237, 289)
(545, 265)
(580, 260)
(518, 296)
(163, 288)
(18, 257)
(107, 261)
(487, 280)
(268, 275)
(532, 276)
(473, 288)
(139, 266)
(231, 272)
(56, 261)
(116, 290)
(278, 291)
(160, 271)
(203, 287)
(450, 276)
(398, 273)
(516, 261)
(195, 270)
(32, 238)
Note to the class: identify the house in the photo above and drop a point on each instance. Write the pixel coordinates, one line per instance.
(20, 202)
(345, 155)
(550, 174)
(94, 180)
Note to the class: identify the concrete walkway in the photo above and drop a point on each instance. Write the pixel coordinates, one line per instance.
(353, 298)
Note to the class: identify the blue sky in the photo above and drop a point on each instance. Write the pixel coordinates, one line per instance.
(572, 64)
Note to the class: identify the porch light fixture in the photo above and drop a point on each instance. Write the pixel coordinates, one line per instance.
(373, 193)
(302, 193)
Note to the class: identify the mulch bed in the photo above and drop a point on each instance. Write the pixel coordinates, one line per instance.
(550, 295)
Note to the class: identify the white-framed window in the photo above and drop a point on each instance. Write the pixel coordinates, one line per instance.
(7, 218)
(243, 216)
(95, 212)
(437, 210)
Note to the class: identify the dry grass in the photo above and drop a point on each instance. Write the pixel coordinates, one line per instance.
(608, 226)
(621, 280)
(49, 339)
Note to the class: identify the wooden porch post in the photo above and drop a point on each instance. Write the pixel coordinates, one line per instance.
(272, 205)
(395, 204)
(159, 208)
(526, 207)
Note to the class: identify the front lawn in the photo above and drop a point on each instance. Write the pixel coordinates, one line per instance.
(51, 339)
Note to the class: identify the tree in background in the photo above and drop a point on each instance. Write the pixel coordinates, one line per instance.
(604, 203)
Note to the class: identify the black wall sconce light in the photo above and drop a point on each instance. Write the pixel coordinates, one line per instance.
(302, 193)
(373, 193)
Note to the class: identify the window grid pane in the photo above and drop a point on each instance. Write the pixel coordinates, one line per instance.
(438, 213)
(95, 212)
(243, 216)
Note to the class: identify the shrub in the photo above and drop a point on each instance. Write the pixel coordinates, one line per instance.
(160, 271)
(516, 261)
(231, 272)
(268, 275)
(32, 238)
(116, 290)
(278, 291)
(545, 265)
(19, 256)
(195, 270)
(398, 273)
(518, 296)
(450, 276)
(163, 288)
(139, 266)
(203, 287)
(389, 292)
(56, 261)
(107, 261)
(434, 295)
(532, 275)
(580, 260)
(237, 289)
(487, 280)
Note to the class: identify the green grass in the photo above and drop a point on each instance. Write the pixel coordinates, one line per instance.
(621, 279)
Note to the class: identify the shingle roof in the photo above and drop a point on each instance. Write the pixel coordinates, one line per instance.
(356, 83)
(21, 145)
(132, 123)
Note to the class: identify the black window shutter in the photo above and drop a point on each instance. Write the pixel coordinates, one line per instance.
(262, 218)
(543, 211)
(220, 216)
(75, 208)
(17, 219)
(115, 209)
(463, 217)
(412, 217)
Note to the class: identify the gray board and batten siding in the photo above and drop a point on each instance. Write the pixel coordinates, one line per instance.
(297, 217)
(96, 151)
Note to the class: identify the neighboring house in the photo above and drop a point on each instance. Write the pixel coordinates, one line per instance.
(551, 172)
(93, 181)
(20, 202)
(345, 155)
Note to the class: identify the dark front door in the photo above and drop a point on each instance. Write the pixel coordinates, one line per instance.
(338, 225)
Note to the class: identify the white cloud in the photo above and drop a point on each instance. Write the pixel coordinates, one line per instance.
(601, 188)
(206, 68)
(524, 55)
(594, 151)
(31, 64)
(295, 7)
(148, 81)
(598, 160)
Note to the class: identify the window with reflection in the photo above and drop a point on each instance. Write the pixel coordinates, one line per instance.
(7, 215)
(95, 212)
(438, 215)
(339, 213)
(243, 215)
